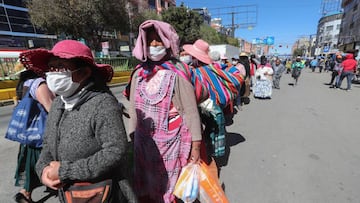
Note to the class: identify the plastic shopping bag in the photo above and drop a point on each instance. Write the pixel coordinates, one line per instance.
(210, 189)
(187, 186)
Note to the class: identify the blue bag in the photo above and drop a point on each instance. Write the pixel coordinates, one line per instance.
(27, 123)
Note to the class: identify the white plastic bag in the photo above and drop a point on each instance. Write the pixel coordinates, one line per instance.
(187, 185)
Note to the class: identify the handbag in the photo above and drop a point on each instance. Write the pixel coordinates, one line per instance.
(27, 123)
(85, 192)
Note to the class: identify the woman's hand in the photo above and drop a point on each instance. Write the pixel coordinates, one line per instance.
(195, 152)
(53, 173)
(53, 184)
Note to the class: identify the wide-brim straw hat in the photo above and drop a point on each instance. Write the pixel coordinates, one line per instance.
(199, 50)
(37, 59)
(243, 54)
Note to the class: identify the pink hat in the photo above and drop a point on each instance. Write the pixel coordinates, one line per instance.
(37, 59)
(199, 50)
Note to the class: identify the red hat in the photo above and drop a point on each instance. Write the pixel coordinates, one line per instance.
(37, 59)
(199, 50)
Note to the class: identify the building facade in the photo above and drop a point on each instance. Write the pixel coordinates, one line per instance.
(328, 34)
(205, 15)
(349, 37)
(160, 5)
(16, 30)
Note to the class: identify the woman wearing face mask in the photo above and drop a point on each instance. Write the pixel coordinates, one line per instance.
(223, 88)
(185, 58)
(85, 139)
(164, 119)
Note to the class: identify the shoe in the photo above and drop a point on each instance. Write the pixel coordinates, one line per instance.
(20, 198)
(348, 90)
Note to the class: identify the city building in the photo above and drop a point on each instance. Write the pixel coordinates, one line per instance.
(159, 5)
(216, 23)
(328, 34)
(17, 32)
(349, 37)
(303, 44)
(204, 13)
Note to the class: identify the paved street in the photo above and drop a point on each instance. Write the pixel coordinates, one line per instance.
(300, 146)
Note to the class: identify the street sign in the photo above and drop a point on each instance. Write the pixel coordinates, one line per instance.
(326, 48)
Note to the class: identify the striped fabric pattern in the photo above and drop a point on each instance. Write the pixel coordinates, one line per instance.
(183, 70)
(223, 85)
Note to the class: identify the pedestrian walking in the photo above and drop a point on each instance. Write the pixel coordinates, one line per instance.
(336, 71)
(32, 80)
(164, 120)
(223, 89)
(244, 60)
(238, 70)
(253, 67)
(321, 64)
(349, 69)
(263, 84)
(85, 139)
(278, 68)
(296, 67)
(313, 64)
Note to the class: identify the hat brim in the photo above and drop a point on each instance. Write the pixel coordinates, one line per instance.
(195, 53)
(38, 59)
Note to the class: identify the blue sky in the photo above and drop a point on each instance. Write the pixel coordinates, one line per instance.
(286, 20)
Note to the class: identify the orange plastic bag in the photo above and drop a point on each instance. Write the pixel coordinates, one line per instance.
(187, 185)
(210, 189)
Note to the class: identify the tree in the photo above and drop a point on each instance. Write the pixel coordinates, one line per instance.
(141, 16)
(232, 41)
(210, 35)
(185, 21)
(86, 19)
(298, 52)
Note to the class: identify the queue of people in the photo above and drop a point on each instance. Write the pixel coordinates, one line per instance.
(179, 100)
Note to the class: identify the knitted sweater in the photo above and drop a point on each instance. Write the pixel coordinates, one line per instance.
(89, 141)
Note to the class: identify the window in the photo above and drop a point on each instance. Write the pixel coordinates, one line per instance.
(338, 26)
(355, 7)
(329, 28)
(18, 3)
(152, 4)
(328, 38)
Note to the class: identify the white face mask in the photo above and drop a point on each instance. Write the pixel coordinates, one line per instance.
(61, 83)
(234, 62)
(156, 53)
(186, 59)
